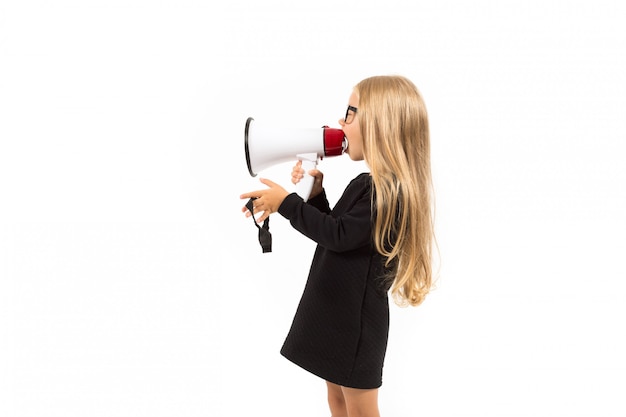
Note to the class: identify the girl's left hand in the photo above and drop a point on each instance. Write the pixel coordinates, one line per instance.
(267, 201)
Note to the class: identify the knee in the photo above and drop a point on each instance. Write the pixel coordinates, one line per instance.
(361, 403)
(337, 403)
(359, 412)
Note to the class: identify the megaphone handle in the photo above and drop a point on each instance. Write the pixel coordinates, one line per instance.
(305, 186)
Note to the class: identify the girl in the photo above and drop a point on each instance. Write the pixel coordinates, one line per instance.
(377, 239)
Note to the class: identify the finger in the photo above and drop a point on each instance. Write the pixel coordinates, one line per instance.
(261, 218)
(267, 182)
(252, 194)
(265, 215)
(247, 212)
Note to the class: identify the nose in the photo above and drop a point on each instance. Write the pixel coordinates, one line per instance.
(342, 122)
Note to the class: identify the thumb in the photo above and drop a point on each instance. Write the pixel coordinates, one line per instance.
(315, 173)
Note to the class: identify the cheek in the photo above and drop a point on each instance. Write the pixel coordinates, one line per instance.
(353, 132)
(358, 139)
(357, 148)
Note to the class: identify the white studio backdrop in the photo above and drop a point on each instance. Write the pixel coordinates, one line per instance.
(132, 285)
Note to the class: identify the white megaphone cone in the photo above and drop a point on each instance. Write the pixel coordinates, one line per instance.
(266, 146)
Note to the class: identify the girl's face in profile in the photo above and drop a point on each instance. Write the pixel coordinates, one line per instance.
(352, 130)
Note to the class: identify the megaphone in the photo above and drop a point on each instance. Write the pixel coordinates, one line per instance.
(266, 146)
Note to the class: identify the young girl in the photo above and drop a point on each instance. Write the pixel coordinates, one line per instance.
(378, 238)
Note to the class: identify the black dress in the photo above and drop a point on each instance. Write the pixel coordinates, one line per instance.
(341, 326)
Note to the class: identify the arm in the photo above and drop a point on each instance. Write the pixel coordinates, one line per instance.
(348, 229)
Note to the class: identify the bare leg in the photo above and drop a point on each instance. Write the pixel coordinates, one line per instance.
(336, 401)
(361, 402)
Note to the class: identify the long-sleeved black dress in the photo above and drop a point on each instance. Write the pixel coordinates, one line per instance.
(341, 326)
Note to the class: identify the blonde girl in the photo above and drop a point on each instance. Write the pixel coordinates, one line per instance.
(376, 240)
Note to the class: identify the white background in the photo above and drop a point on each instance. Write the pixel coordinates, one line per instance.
(132, 285)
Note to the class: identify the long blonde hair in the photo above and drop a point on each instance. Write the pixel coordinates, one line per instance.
(396, 146)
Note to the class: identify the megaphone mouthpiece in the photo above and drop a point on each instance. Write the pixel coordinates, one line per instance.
(335, 142)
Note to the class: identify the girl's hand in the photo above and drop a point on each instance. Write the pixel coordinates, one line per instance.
(298, 173)
(267, 201)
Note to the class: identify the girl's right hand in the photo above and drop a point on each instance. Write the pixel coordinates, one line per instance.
(298, 173)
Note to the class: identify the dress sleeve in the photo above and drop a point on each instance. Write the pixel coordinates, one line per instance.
(348, 230)
(320, 202)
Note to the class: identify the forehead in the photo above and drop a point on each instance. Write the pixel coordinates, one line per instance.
(354, 99)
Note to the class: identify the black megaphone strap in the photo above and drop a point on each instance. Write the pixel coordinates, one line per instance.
(265, 237)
